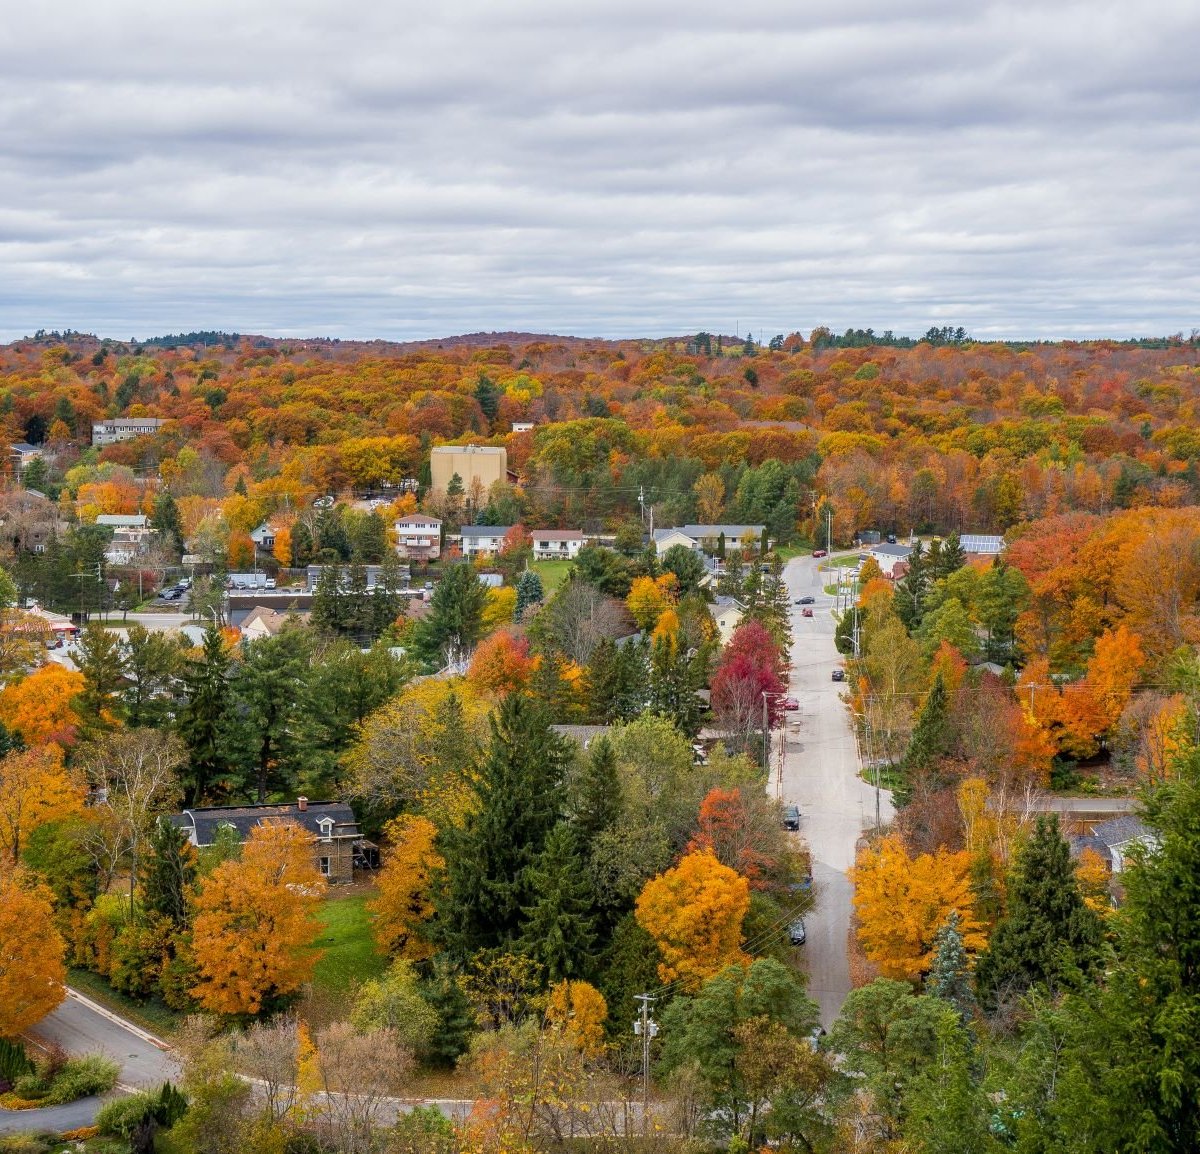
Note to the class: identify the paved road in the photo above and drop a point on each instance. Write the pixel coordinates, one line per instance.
(820, 774)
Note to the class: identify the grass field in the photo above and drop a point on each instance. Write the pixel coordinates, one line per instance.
(552, 573)
(348, 956)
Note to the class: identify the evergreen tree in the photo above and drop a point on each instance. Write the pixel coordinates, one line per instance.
(529, 593)
(488, 397)
(357, 614)
(912, 589)
(456, 1016)
(202, 716)
(101, 703)
(302, 545)
(559, 931)
(596, 800)
(950, 976)
(386, 602)
(369, 541)
(930, 739)
(455, 620)
(480, 895)
(168, 873)
(952, 557)
(1049, 936)
(329, 607)
(616, 681)
(549, 687)
(165, 518)
(332, 541)
(152, 661)
(675, 676)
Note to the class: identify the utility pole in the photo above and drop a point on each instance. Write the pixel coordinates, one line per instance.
(829, 530)
(645, 1027)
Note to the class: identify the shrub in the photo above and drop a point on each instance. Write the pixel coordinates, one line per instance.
(81, 1078)
(14, 1063)
(122, 1116)
(25, 1144)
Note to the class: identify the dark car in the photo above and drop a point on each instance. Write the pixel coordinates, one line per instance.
(820, 552)
(839, 675)
(807, 599)
(791, 817)
(797, 934)
(891, 538)
(806, 613)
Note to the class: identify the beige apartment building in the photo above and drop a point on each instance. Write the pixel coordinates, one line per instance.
(485, 462)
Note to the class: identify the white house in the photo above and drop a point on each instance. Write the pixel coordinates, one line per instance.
(888, 557)
(124, 429)
(264, 536)
(1119, 836)
(419, 538)
(261, 622)
(522, 426)
(483, 540)
(727, 612)
(707, 538)
(556, 544)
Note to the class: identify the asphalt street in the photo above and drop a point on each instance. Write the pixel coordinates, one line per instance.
(820, 774)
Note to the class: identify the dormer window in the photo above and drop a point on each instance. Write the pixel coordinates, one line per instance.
(326, 824)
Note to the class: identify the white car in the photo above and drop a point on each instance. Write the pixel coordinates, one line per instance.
(270, 583)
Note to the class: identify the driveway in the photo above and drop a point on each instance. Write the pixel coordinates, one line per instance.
(820, 774)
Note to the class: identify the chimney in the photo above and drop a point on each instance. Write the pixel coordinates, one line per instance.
(302, 804)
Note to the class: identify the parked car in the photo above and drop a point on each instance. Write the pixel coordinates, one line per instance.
(790, 703)
(891, 538)
(839, 675)
(270, 583)
(807, 599)
(797, 933)
(820, 552)
(806, 612)
(791, 817)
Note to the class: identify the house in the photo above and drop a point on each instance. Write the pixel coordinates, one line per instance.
(727, 612)
(977, 545)
(28, 520)
(707, 538)
(24, 454)
(338, 846)
(401, 573)
(522, 426)
(582, 735)
(1119, 835)
(264, 536)
(556, 544)
(483, 540)
(135, 521)
(485, 464)
(124, 429)
(890, 557)
(419, 538)
(261, 622)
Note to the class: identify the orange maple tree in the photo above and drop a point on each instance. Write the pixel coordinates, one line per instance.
(902, 902)
(725, 829)
(256, 922)
(403, 903)
(39, 708)
(35, 788)
(32, 975)
(501, 664)
(580, 1011)
(694, 912)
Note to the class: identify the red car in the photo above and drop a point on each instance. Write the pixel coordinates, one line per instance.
(805, 612)
(820, 552)
(790, 703)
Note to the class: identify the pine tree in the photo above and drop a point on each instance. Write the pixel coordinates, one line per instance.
(1049, 935)
(100, 705)
(168, 873)
(912, 589)
(529, 592)
(952, 558)
(950, 976)
(455, 619)
(329, 608)
(202, 716)
(616, 681)
(596, 805)
(931, 735)
(480, 895)
(559, 931)
(675, 675)
(386, 602)
(456, 1015)
(165, 518)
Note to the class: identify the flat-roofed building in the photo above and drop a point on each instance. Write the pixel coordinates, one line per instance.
(486, 464)
(124, 429)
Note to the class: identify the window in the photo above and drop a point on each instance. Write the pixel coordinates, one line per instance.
(325, 867)
(326, 824)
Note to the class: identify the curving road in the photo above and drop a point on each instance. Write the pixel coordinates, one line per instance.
(820, 774)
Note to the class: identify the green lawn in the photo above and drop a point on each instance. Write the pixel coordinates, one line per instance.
(552, 573)
(349, 957)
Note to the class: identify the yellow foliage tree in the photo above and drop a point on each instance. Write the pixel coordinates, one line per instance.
(40, 707)
(256, 922)
(902, 902)
(694, 912)
(35, 788)
(580, 1011)
(499, 608)
(32, 975)
(1092, 873)
(282, 549)
(647, 599)
(403, 903)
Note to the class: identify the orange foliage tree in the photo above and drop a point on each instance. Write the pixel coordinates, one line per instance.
(35, 788)
(40, 707)
(32, 975)
(903, 901)
(501, 665)
(256, 922)
(726, 830)
(694, 913)
(403, 904)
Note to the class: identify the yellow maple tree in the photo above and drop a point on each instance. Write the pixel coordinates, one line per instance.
(903, 901)
(32, 975)
(256, 921)
(694, 912)
(39, 708)
(1092, 873)
(35, 788)
(403, 903)
(580, 1011)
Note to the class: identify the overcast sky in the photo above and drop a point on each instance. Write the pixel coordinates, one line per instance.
(617, 168)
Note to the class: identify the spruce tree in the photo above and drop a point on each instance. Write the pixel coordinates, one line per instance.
(1049, 936)
(675, 675)
(559, 930)
(950, 976)
(202, 716)
(596, 801)
(455, 620)
(101, 704)
(168, 872)
(952, 557)
(931, 735)
(329, 607)
(480, 894)
(529, 593)
(912, 589)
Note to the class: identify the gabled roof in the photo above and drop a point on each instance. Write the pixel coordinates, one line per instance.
(271, 619)
(205, 822)
(732, 532)
(557, 535)
(1120, 830)
(484, 530)
(898, 551)
(419, 519)
(720, 604)
(123, 520)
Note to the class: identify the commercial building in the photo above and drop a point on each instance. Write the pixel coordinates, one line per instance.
(486, 464)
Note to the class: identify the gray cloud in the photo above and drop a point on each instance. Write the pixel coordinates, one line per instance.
(619, 168)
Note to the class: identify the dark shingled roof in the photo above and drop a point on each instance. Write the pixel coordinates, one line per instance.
(1120, 830)
(243, 818)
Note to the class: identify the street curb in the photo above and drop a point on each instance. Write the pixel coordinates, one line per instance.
(116, 1019)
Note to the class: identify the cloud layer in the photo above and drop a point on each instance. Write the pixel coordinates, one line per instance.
(622, 168)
